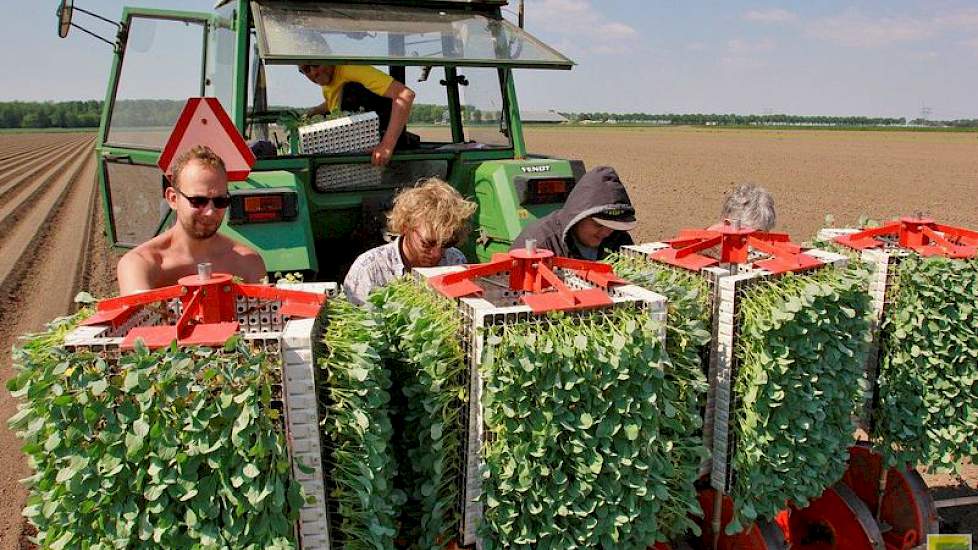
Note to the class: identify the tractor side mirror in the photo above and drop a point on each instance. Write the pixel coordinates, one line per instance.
(65, 10)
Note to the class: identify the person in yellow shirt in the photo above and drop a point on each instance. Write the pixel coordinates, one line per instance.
(362, 87)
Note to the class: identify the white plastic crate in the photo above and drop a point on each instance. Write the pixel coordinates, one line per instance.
(338, 177)
(290, 339)
(883, 263)
(356, 133)
(500, 306)
(727, 285)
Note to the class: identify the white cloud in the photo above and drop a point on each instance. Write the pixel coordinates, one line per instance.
(971, 44)
(697, 46)
(776, 15)
(856, 30)
(966, 18)
(923, 56)
(617, 31)
(587, 26)
(743, 47)
(740, 63)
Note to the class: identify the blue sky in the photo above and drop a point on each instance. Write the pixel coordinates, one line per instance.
(885, 58)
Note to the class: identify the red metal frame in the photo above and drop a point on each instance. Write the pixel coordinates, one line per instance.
(209, 315)
(734, 245)
(532, 271)
(920, 234)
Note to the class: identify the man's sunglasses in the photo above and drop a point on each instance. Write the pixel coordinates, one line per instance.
(220, 202)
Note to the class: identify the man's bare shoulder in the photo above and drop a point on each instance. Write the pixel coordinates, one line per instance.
(140, 268)
(153, 249)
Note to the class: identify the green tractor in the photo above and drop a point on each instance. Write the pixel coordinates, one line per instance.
(458, 55)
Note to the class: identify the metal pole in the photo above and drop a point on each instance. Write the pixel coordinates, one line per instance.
(717, 520)
(204, 271)
(954, 502)
(880, 491)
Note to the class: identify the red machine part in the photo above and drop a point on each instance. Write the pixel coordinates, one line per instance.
(531, 270)
(209, 310)
(836, 520)
(734, 244)
(761, 535)
(906, 510)
(923, 235)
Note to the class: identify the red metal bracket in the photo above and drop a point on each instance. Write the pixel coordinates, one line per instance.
(209, 315)
(920, 234)
(733, 245)
(531, 270)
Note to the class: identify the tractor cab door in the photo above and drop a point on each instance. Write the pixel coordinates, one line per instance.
(161, 60)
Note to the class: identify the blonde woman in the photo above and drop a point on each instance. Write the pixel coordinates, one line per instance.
(428, 219)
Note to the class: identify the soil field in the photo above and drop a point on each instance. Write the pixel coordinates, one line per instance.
(50, 247)
(677, 177)
(52, 244)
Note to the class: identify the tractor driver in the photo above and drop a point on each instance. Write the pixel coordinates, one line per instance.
(593, 223)
(198, 194)
(428, 220)
(356, 87)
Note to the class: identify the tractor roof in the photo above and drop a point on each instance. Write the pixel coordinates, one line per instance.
(432, 3)
(396, 33)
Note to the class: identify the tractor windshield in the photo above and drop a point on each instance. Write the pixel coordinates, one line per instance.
(292, 33)
(480, 95)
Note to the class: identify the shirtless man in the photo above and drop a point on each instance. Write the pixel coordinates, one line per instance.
(199, 195)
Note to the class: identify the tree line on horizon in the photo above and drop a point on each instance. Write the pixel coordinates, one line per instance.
(162, 112)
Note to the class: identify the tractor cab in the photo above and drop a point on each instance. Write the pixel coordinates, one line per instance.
(314, 212)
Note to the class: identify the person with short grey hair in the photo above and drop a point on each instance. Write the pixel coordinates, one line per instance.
(752, 205)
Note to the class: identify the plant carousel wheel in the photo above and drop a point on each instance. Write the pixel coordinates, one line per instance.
(761, 535)
(836, 520)
(907, 513)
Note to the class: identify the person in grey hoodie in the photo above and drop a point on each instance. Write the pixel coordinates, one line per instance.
(593, 223)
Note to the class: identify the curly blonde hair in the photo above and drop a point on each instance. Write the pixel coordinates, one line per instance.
(434, 205)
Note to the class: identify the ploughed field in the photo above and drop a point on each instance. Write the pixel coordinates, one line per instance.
(51, 242)
(677, 177)
(47, 253)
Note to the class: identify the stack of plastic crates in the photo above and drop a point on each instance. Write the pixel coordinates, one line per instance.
(728, 284)
(294, 394)
(497, 306)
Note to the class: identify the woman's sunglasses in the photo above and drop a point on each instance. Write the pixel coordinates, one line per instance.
(220, 202)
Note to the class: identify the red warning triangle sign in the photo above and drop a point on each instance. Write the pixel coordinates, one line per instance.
(204, 122)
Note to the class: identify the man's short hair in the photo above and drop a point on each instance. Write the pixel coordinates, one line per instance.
(752, 205)
(434, 204)
(201, 153)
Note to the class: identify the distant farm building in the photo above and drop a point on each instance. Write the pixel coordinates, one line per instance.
(543, 117)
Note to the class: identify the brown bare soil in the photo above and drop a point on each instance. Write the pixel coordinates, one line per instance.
(677, 177)
(52, 242)
(47, 207)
